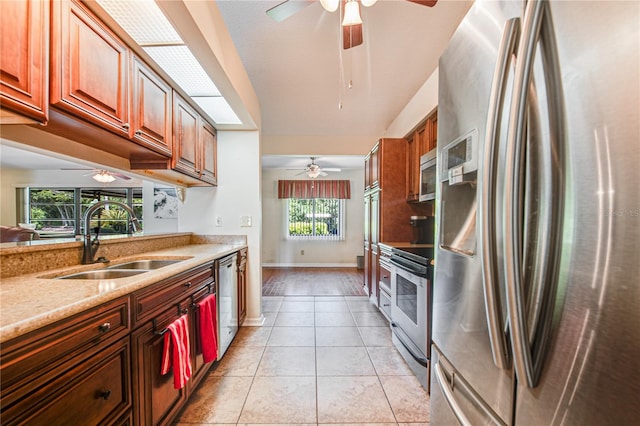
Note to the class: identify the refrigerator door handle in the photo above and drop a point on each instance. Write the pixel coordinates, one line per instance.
(537, 26)
(448, 394)
(487, 217)
(451, 384)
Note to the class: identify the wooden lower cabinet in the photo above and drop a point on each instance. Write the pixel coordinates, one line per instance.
(156, 402)
(93, 369)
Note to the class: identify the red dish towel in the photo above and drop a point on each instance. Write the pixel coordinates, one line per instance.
(176, 352)
(208, 328)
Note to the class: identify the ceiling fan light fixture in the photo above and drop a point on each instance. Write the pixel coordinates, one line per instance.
(351, 13)
(368, 3)
(330, 5)
(313, 173)
(103, 176)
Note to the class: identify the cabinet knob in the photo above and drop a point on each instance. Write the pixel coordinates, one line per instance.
(105, 327)
(105, 394)
(125, 126)
(138, 132)
(187, 284)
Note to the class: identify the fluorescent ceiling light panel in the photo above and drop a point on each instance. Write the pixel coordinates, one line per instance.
(184, 69)
(142, 20)
(218, 109)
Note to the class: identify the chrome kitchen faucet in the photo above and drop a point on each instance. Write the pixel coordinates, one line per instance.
(91, 247)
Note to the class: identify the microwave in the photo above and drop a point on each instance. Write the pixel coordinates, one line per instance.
(428, 179)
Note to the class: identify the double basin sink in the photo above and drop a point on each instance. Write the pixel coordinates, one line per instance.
(121, 270)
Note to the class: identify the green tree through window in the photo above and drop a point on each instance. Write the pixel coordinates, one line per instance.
(316, 218)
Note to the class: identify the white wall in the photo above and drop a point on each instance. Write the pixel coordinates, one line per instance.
(278, 251)
(237, 194)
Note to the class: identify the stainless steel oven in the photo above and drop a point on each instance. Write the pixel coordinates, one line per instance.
(410, 308)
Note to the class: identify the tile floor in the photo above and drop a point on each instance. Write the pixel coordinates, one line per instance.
(318, 359)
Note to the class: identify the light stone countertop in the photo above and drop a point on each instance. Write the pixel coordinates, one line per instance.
(31, 301)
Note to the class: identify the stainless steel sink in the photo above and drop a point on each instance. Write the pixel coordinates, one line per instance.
(146, 264)
(102, 274)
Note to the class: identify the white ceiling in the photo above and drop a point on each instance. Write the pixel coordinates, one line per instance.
(295, 70)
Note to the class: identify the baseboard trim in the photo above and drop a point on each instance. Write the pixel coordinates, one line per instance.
(309, 265)
(254, 322)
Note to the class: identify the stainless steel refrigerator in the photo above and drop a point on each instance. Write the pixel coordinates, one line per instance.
(536, 304)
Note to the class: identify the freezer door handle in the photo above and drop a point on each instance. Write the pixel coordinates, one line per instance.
(449, 396)
(487, 189)
(530, 334)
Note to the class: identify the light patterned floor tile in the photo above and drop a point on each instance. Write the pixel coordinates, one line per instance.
(288, 361)
(343, 361)
(370, 319)
(281, 400)
(294, 319)
(334, 319)
(292, 336)
(252, 336)
(376, 336)
(217, 400)
(335, 306)
(239, 361)
(388, 361)
(297, 306)
(338, 336)
(352, 400)
(409, 401)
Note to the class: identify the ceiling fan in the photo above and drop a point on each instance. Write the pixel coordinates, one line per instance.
(350, 9)
(313, 170)
(103, 176)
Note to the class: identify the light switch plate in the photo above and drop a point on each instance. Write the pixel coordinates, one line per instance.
(245, 220)
(218, 220)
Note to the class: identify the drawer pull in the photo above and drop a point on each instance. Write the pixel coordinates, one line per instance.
(105, 327)
(187, 284)
(386, 304)
(125, 126)
(105, 394)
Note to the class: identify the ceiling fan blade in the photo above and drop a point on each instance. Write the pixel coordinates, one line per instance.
(351, 36)
(331, 169)
(120, 176)
(428, 3)
(323, 173)
(287, 8)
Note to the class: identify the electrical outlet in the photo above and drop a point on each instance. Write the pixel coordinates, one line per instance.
(302, 252)
(218, 220)
(245, 221)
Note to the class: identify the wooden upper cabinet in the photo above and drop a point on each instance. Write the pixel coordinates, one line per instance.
(433, 134)
(185, 137)
(208, 152)
(374, 165)
(89, 68)
(194, 143)
(24, 43)
(413, 166)
(151, 106)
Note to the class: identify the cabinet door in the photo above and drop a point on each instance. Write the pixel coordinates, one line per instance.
(96, 391)
(367, 171)
(433, 134)
(185, 137)
(207, 153)
(198, 366)
(155, 399)
(89, 68)
(413, 168)
(374, 162)
(150, 109)
(24, 43)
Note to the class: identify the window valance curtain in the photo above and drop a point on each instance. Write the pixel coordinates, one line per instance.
(314, 189)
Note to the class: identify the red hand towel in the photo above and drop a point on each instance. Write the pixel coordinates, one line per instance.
(176, 352)
(208, 328)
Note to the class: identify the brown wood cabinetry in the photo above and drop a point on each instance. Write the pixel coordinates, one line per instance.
(156, 402)
(194, 143)
(89, 68)
(419, 142)
(151, 109)
(242, 286)
(386, 211)
(24, 68)
(74, 371)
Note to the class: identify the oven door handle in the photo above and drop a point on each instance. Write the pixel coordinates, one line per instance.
(411, 348)
(408, 268)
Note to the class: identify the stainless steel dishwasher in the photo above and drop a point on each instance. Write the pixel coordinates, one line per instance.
(227, 302)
